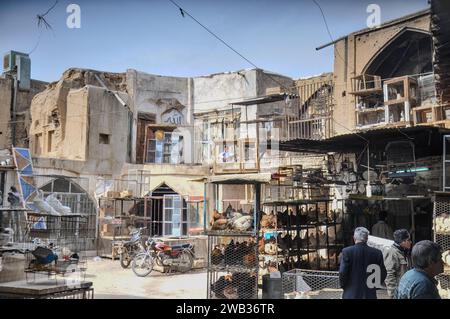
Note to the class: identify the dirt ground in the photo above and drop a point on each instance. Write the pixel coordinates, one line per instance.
(111, 281)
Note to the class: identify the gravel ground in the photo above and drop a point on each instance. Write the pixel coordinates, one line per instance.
(111, 281)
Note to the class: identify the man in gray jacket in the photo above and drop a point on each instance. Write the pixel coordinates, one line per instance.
(397, 260)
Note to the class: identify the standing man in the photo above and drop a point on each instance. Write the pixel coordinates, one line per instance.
(358, 262)
(397, 260)
(419, 282)
(381, 228)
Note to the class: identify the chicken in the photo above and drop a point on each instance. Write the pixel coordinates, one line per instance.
(220, 224)
(249, 260)
(216, 255)
(268, 220)
(261, 245)
(243, 223)
(446, 257)
(443, 223)
(215, 216)
(270, 249)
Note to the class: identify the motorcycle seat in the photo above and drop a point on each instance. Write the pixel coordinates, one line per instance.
(183, 246)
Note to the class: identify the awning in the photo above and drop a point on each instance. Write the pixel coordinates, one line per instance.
(427, 141)
(257, 178)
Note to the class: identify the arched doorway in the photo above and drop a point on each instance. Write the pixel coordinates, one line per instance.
(169, 212)
(408, 53)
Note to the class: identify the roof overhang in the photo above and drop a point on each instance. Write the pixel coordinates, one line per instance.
(421, 136)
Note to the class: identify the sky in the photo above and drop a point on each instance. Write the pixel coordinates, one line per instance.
(152, 36)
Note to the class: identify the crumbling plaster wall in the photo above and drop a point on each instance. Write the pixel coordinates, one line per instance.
(49, 110)
(23, 118)
(352, 54)
(5, 107)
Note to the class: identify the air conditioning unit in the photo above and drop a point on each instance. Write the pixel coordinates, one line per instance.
(14, 59)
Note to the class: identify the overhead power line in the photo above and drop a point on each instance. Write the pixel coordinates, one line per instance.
(186, 13)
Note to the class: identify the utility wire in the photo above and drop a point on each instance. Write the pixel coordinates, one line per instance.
(328, 29)
(184, 12)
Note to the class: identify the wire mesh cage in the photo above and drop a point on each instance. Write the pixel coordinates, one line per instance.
(232, 285)
(237, 253)
(311, 284)
(55, 246)
(232, 267)
(235, 216)
(441, 227)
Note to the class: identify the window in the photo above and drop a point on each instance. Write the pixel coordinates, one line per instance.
(249, 152)
(175, 217)
(38, 144)
(165, 148)
(50, 141)
(103, 138)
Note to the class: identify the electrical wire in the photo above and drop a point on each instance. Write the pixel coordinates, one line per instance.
(184, 12)
(328, 29)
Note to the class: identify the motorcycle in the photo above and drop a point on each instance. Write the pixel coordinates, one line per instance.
(129, 249)
(171, 258)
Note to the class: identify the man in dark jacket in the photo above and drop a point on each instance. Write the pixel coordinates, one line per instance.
(361, 269)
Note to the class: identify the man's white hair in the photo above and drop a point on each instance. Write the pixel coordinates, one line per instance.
(361, 234)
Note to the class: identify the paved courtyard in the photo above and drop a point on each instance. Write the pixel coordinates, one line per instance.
(111, 281)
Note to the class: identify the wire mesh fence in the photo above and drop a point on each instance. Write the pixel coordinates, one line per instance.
(311, 284)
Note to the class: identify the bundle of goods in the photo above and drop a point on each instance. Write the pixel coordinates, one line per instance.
(47, 259)
(443, 224)
(235, 286)
(232, 220)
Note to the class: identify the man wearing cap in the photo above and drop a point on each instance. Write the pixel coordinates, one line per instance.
(397, 260)
(361, 269)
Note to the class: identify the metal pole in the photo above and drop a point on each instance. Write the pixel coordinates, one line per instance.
(444, 162)
(204, 206)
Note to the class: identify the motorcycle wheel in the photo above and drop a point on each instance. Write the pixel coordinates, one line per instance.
(186, 262)
(125, 260)
(142, 265)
